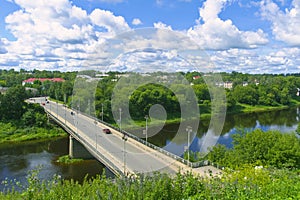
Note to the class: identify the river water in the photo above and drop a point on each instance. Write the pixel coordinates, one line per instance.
(18, 160)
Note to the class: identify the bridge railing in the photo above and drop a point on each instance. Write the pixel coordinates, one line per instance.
(161, 150)
(85, 143)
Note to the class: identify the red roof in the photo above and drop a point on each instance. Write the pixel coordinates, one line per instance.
(196, 77)
(31, 80)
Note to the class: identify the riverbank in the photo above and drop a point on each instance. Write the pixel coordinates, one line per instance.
(206, 115)
(12, 133)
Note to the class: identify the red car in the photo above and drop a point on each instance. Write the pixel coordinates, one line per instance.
(106, 130)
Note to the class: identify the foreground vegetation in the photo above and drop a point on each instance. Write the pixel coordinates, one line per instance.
(246, 183)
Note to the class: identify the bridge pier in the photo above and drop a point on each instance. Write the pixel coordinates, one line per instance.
(77, 150)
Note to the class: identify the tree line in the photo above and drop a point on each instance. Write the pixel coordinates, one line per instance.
(246, 90)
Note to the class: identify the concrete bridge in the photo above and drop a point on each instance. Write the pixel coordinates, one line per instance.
(121, 152)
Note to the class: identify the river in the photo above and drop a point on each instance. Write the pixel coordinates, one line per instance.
(18, 160)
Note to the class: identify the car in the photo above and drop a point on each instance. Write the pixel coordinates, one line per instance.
(43, 104)
(106, 130)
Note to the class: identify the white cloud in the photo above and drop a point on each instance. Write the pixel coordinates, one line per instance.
(285, 24)
(285, 60)
(2, 46)
(108, 20)
(160, 25)
(211, 32)
(136, 22)
(58, 35)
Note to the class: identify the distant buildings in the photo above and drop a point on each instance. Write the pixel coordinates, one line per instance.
(31, 80)
(227, 84)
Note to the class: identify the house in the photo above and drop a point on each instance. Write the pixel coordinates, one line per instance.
(227, 84)
(245, 83)
(31, 80)
(196, 77)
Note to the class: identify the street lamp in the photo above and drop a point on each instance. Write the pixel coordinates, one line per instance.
(120, 119)
(56, 104)
(102, 111)
(125, 137)
(89, 107)
(65, 101)
(146, 131)
(78, 107)
(188, 130)
(95, 122)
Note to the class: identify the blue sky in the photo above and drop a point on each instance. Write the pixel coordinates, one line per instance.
(260, 36)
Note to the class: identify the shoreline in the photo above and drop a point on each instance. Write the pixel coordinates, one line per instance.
(23, 137)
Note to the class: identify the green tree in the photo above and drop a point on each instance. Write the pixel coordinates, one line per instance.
(245, 94)
(13, 103)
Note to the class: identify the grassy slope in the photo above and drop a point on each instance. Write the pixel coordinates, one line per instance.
(10, 133)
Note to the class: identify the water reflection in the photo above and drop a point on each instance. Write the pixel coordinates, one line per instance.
(282, 120)
(18, 160)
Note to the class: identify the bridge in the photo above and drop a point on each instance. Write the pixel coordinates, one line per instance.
(120, 152)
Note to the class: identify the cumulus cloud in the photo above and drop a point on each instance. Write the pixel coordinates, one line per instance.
(56, 34)
(109, 21)
(2, 46)
(286, 60)
(285, 23)
(136, 21)
(211, 32)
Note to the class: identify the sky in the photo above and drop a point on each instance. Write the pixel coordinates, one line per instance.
(259, 36)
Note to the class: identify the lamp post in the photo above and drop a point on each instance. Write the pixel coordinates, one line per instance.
(120, 119)
(95, 122)
(102, 112)
(65, 101)
(146, 131)
(188, 130)
(124, 152)
(56, 104)
(89, 106)
(78, 107)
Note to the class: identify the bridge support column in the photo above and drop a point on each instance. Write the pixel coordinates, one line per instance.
(77, 150)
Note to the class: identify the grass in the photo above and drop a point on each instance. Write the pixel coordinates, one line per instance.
(67, 160)
(11, 133)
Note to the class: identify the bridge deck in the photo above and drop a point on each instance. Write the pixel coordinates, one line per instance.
(130, 158)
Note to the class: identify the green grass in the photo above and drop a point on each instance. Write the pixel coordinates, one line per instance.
(11, 133)
(67, 160)
(245, 108)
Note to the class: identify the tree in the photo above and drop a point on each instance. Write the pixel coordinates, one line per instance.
(245, 94)
(13, 103)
